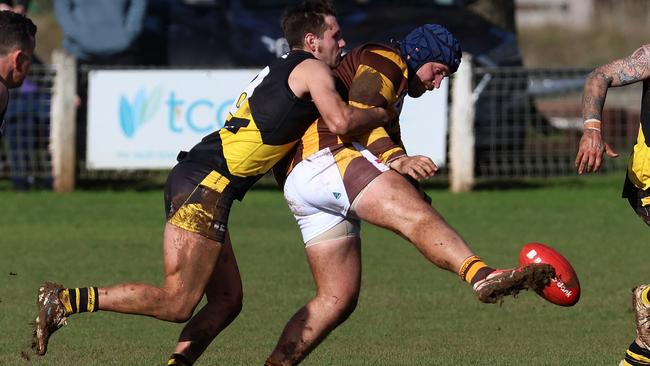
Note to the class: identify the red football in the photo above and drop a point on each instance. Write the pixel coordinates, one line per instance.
(564, 289)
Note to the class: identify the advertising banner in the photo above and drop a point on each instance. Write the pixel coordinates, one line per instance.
(141, 119)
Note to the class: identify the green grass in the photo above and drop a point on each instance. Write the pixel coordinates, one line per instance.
(409, 312)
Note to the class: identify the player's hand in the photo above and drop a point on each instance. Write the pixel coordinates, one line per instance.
(591, 150)
(418, 167)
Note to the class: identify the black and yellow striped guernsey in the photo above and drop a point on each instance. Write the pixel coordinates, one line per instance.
(265, 123)
(638, 171)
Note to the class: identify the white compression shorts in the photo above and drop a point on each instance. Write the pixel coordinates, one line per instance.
(321, 189)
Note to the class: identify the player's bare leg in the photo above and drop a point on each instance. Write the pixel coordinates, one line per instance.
(189, 261)
(391, 202)
(336, 268)
(224, 294)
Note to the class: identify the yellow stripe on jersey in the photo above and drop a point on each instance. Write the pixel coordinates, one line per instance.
(215, 181)
(376, 134)
(387, 155)
(360, 105)
(344, 157)
(387, 88)
(246, 154)
(310, 141)
(395, 58)
(639, 165)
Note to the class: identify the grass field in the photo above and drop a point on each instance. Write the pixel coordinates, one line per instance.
(410, 313)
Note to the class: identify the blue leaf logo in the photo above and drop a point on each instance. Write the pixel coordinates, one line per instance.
(142, 110)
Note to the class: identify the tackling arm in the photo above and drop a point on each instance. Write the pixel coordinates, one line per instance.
(340, 118)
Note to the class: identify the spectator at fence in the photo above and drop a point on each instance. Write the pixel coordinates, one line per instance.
(636, 189)
(101, 32)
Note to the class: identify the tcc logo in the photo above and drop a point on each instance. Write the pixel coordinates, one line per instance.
(182, 114)
(143, 108)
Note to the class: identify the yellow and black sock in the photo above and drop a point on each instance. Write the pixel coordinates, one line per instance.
(80, 300)
(474, 269)
(636, 356)
(177, 359)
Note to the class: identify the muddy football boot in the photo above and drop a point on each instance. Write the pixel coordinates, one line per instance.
(641, 307)
(506, 282)
(51, 316)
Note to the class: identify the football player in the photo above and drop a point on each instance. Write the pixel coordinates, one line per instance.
(334, 182)
(636, 189)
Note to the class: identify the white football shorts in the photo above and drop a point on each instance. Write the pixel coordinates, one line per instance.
(321, 188)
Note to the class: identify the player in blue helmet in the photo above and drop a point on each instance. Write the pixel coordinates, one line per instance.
(363, 179)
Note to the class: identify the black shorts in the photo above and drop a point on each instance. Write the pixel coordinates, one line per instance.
(634, 196)
(198, 200)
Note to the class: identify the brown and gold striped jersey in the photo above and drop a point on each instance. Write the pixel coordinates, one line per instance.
(371, 75)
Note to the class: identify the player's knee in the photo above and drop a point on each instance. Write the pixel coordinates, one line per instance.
(178, 312)
(179, 307)
(348, 309)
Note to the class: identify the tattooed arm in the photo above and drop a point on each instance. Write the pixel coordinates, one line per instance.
(628, 70)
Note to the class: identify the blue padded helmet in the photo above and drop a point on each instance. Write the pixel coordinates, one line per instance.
(430, 43)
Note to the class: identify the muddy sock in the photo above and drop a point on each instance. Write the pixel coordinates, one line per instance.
(178, 360)
(80, 300)
(636, 356)
(474, 269)
(270, 362)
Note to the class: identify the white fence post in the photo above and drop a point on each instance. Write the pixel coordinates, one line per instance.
(63, 122)
(461, 131)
